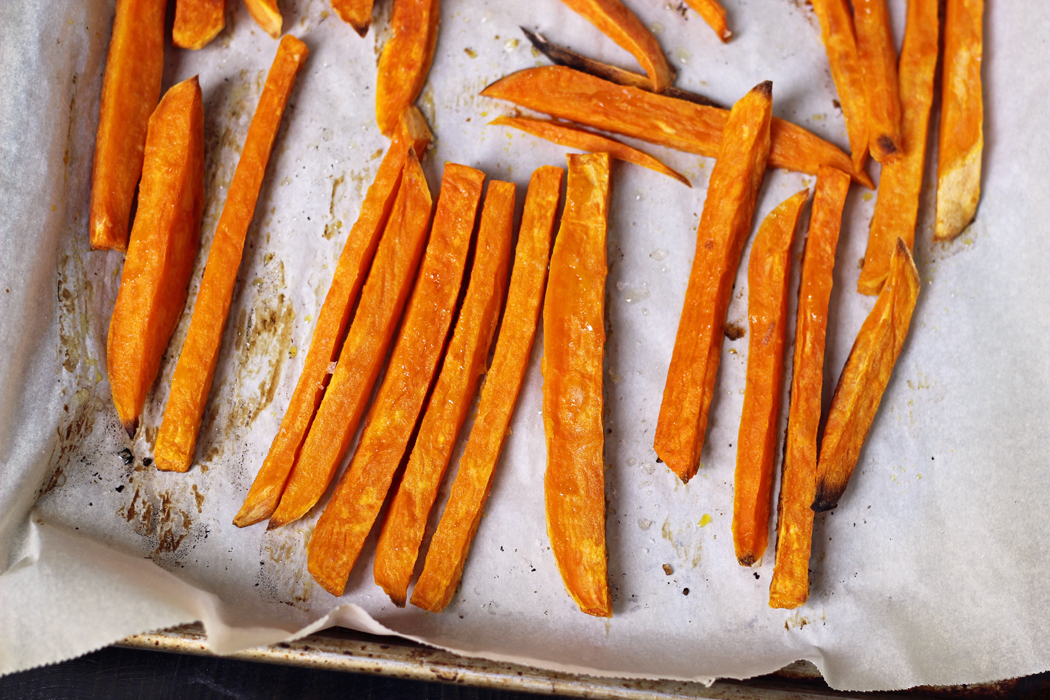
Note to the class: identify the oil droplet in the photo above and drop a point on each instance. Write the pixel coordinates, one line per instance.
(658, 254)
(682, 55)
(511, 45)
(631, 461)
(470, 52)
(705, 520)
(620, 286)
(639, 195)
(292, 352)
(636, 294)
(656, 28)
(817, 117)
(308, 318)
(644, 524)
(866, 196)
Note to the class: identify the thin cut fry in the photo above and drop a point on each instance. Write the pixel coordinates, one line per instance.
(358, 251)
(451, 543)
(897, 206)
(465, 361)
(356, 13)
(566, 135)
(406, 58)
(865, 377)
(724, 227)
(163, 246)
(130, 90)
(878, 60)
(714, 14)
(266, 15)
(177, 437)
(347, 519)
(573, 347)
(798, 479)
(197, 22)
(568, 94)
(768, 274)
(383, 298)
(961, 139)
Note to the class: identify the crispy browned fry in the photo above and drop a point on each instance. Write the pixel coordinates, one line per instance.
(840, 44)
(356, 13)
(405, 61)
(266, 15)
(878, 60)
(197, 22)
(714, 14)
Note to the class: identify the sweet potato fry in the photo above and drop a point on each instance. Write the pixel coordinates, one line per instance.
(623, 27)
(383, 298)
(865, 377)
(961, 139)
(130, 90)
(465, 361)
(163, 246)
(897, 206)
(197, 22)
(566, 135)
(412, 134)
(768, 274)
(715, 16)
(266, 14)
(590, 101)
(405, 61)
(878, 61)
(356, 13)
(724, 226)
(347, 519)
(191, 384)
(798, 479)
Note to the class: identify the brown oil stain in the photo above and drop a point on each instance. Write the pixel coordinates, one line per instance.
(285, 560)
(172, 528)
(734, 331)
(331, 228)
(198, 497)
(689, 552)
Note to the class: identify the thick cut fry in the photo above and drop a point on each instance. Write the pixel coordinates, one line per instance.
(570, 137)
(724, 226)
(865, 377)
(623, 27)
(464, 363)
(197, 22)
(573, 351)
(798, 479)
(191, 384)
(768, 274)
(347, 519)
(840, 44)
(356, 13)
(163, 246)
(412, 135)
(961, 139)
(878, 61)
(406, 58)
(714, 14)
(130, 90)
(568, 94)
(361, 359)
(897, 206)
(266, 15)
(455, 533)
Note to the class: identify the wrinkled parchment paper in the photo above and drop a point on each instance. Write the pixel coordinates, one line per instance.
(933, 568)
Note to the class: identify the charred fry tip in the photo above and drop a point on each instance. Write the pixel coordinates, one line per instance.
(764, 88)
(825, 500)
(887, 145)
(747, 560)
(361, 29)
(273, 524)
(130, 427)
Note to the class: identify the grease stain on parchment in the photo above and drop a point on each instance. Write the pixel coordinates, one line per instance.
(686, 542)
(283, 561)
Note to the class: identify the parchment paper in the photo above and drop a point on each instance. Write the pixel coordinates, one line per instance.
(933, 568)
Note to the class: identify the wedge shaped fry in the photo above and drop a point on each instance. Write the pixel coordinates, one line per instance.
(897, 206)
(714, 14)
(464, 363)
(878, 60)
(573, 351)
(266, 14)
(566, 135)
(590, 101)
(197, 22)
(865, 377)
(177, 437)
(768, 274)
(356, 13)
(961, 138)
(347, 519)
(412, 135)
(724, 226)
(405, 61)
(840, 44)
(455, 533)
(130, 90)
(163, 246)
(798, 477)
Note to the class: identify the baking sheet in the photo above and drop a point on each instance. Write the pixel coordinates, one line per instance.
(930, 571)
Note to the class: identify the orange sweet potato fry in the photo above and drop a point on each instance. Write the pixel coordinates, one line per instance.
(585, 99)
(266, 14)
(451, 543)
(768, 274)
(724, 226)
(130, 90)
(163, 246)
(897, 206)
(191, 384)
(412, 135)
(623, 27)
(865, 377)
(878, 61)
(405, 61)
(465, 361)
(356, 13)
(347, 519)
(790, 586)
(961, 138)
(566, 135)
(383, 298)
(197, 22)
(573, 348)
(714, 14)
